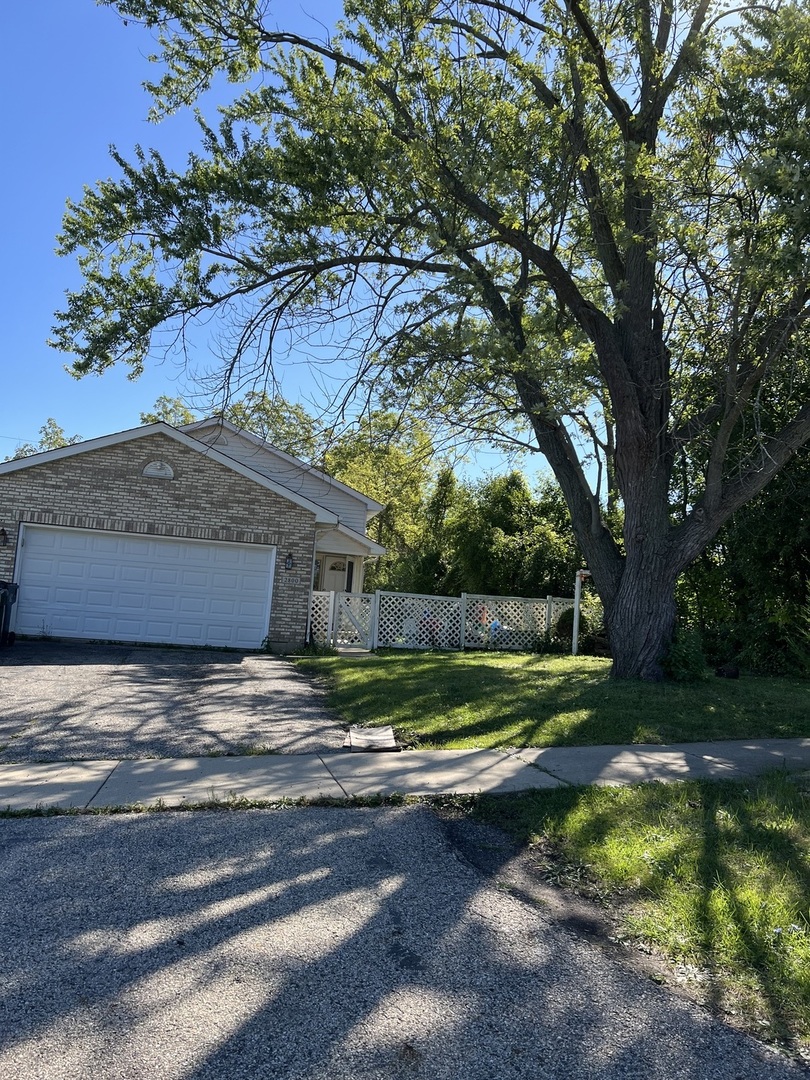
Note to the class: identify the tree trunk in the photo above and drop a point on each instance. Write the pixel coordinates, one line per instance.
(640, 622)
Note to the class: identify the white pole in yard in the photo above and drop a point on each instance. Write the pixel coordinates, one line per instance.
(581, 575)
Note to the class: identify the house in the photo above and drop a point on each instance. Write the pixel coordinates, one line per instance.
(201, 535)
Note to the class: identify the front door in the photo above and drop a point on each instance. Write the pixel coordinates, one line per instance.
(333, 577)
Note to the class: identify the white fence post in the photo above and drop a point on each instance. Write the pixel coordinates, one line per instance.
(549, 613)
(463, 620)
(375, 621)
(331, 635)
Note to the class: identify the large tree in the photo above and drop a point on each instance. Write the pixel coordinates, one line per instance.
(579, 225)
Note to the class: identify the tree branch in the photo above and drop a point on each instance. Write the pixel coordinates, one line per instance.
(618, 107)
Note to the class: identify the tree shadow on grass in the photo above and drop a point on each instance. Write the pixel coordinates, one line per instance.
(735, 840)
(339, 944)
(712, 873)
(490, 700)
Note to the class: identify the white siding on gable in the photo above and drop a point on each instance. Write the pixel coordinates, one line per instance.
(312, 485)
(332, 540)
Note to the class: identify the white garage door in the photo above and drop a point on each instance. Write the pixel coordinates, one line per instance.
(115, 587)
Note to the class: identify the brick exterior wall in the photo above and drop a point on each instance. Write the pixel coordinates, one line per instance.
(104, 489)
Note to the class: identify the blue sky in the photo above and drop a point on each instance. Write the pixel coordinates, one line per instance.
(71, 86)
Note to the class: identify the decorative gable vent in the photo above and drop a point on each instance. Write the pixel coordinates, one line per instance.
(161, 470)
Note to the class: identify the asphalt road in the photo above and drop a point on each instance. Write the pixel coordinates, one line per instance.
(313, 944)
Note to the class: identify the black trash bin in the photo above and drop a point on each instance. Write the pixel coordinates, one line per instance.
(8, 596)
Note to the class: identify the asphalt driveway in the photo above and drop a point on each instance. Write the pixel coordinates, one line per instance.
(72, 702)
(313, 944)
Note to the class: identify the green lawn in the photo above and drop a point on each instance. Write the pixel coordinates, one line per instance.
(457, 700)
(713, 875)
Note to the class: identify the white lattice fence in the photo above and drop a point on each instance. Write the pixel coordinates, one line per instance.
(354, 620)
(506, 622)
(320, 617)
(390, 620)
(414, 621)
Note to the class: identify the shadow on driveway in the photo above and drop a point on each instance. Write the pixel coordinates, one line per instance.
(65, 702)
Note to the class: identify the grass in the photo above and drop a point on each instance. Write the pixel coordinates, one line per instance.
(713, 875)
(459, 700)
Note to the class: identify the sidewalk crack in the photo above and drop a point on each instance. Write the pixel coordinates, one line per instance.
(342, 788)
(100, 786)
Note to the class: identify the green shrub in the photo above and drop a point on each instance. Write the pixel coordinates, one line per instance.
(564, 627)
(592, 638)
(685, 660)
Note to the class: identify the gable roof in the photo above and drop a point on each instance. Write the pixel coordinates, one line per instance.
(217, 423)
(322, 515)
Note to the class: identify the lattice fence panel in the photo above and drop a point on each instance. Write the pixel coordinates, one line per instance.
(353, 620)
(416, 621)
(504, 622)
(413, 621)
(319, 628)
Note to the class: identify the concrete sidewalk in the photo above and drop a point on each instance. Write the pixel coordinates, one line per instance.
(179, 781)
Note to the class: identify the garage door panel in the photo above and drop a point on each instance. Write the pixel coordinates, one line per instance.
(160, 576)
(224, 581)
(68, 596)
(104, 544)
(132, 574)
(42, 563)
(194, 578)
(130, 601)
(249, 609)
(224, 607)
(126, 629)
(220, 558)
(69, 568)
(174, 551)
(76, 542)
(101, 571)
(133, 546)
(191, 605)
(102, 598)
(157, 602)
(37, 594)
(103, 585)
